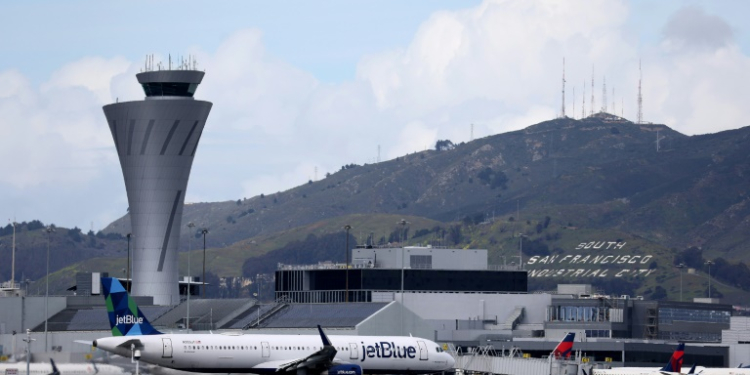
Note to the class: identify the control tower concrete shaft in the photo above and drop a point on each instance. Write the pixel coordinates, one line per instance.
(156, 140)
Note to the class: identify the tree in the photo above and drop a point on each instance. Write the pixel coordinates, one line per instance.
(659, 293)
(444, 145)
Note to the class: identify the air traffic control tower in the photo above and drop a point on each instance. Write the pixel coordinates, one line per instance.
(156, 140)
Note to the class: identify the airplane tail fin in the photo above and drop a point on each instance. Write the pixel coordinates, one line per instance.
(565, 348)
(675, 363)
(125, 318)
(55, 371)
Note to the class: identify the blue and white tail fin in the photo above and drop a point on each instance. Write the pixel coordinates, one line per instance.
(125, 318)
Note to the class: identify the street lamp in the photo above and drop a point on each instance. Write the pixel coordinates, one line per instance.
(347, 227)
(50, 229)
(28, 341)
(190, 278)
(709, 263)
(203, 279)
(129, 283)
(680, 267)
(257, 295)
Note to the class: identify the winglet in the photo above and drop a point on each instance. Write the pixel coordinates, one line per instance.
(55, 371)
(692, 370)
(125, 318)
(323, 337)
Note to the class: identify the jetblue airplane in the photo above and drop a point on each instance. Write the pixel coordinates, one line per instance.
(234, 352)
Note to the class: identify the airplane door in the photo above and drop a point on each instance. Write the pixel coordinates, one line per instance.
(422, 350)
(266, 349)
(167, 345)
(353, 352)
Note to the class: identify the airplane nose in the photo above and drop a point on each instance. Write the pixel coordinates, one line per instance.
(451, 361)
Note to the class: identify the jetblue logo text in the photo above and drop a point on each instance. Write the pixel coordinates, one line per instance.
(129, 319)
(387, 350)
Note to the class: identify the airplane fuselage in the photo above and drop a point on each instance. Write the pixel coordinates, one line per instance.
(238, 353)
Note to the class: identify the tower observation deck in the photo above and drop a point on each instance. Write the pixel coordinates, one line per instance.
(156, 140)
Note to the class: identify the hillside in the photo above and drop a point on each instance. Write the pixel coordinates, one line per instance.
(690, 192)
(560, 184)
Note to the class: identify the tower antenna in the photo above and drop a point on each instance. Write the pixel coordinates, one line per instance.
(563, 90)
(574, 102)
(583, 104)
(378, 153)
(592, 90)
(640, 96)
(471, 133)
(614, 102)
(604, 94)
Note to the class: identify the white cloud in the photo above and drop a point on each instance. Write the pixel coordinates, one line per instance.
(496, 65)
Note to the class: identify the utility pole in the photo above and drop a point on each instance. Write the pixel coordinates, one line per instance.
(680, 267)
(347, 227)
(709, 263)
(204, 232)
(28, 341)
(50, 229)
(13, 259)
(190, 278)
(129, 283)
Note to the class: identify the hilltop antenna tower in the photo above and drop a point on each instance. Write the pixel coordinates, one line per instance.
(315, 176)
(640, 96)
(583, 104)
(471, 133)
(378, 153)
(614, 102)
(563, 90)
(592, 90)
(604, 94)
(574, 102)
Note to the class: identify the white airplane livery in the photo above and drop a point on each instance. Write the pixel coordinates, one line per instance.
(235, 352)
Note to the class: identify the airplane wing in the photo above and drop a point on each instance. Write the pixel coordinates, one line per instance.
(321, 359)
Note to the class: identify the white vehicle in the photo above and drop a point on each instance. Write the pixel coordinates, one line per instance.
(19, 368)
(263, 354)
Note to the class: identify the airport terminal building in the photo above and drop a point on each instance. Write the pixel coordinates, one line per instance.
(452, 296)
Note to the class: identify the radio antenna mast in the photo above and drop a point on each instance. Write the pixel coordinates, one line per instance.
(592, 90)
(563, 90)
(583, 104)
(604, 94)
(640, 96)
(614, 102)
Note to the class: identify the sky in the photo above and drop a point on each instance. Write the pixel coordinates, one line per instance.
(300, 87)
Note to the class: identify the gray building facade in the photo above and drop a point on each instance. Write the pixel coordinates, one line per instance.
(156, 140)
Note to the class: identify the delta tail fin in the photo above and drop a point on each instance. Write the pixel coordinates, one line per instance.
(565, 348)
(675, 363)
(125, 318)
